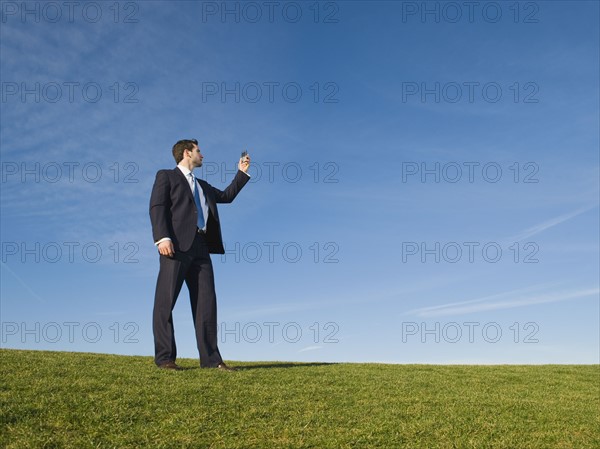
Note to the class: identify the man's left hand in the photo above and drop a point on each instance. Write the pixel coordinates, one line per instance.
(244, 164)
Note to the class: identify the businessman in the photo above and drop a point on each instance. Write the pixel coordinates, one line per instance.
(186, 230)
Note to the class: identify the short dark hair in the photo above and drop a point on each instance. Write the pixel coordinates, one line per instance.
(181, 146)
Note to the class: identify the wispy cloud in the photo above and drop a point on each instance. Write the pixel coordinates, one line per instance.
(22, 282)
(310, 348)
(540, 227)
(506, 300)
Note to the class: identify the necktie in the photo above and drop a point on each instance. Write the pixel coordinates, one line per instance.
(198, 204)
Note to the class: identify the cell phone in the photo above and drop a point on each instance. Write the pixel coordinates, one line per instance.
(244, 154)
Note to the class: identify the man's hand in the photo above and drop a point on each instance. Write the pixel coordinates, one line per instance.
(166, 248)
(244, 164)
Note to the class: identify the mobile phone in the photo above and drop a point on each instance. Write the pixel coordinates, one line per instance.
(244, 154)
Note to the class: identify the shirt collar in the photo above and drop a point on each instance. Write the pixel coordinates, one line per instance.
(186, 171)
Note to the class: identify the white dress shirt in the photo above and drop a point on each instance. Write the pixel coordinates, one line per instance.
(193, 184)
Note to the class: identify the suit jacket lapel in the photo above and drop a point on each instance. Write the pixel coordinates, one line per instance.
(205, 190)
(184, 181)
(209, 199)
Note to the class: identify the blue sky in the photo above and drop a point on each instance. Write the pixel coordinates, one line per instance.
(425, 185)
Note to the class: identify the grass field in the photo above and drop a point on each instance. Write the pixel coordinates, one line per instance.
(75, 400)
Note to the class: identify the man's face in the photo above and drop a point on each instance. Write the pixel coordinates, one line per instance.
(196, 156)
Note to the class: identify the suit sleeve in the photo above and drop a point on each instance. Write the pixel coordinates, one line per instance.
(229, 194)
(160, 207)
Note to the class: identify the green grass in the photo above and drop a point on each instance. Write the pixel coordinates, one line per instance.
(57, 399)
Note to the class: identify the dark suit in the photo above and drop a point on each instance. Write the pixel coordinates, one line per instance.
(173, 214)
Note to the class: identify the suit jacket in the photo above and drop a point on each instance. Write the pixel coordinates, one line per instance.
(173, 211)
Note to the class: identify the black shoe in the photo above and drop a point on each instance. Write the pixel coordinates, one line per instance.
(170, 365)
(222, 366)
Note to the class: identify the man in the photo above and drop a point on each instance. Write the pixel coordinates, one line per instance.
(186, 229)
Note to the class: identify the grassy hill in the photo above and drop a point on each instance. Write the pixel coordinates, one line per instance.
(57, 399)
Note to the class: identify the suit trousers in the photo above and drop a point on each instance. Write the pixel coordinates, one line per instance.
(195, 268)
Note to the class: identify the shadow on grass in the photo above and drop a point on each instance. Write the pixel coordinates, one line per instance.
(281, 365)
(260, 366)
